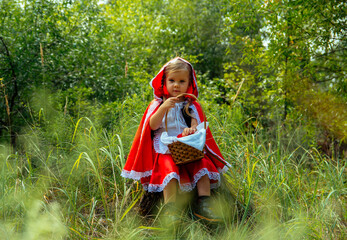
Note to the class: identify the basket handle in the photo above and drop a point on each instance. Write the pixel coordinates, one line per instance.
(196, 99)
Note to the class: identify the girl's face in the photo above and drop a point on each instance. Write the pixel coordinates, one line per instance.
(177, 82)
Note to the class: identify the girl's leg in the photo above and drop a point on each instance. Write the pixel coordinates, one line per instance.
(203, 186)
(169, 212)
(170, 191)
(204, 210)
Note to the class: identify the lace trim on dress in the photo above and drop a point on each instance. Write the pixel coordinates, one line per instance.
(159, 147)
(202, 172)
(224, 169)
(156, 142)
(160, 187)
(184, 187)
(135, 175)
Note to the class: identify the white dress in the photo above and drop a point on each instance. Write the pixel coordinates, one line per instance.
(175, 126)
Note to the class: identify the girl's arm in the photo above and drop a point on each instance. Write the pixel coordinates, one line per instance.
(157, 117)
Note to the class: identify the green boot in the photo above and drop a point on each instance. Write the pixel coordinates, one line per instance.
(204, 211)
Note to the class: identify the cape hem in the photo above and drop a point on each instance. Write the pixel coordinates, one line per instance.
(187, 187)
(135, 175)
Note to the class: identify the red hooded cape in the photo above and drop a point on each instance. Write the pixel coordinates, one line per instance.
(140, 161)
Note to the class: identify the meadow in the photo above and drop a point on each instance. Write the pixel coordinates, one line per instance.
(65, 182)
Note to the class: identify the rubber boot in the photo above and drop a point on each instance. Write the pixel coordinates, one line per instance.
(204, 211)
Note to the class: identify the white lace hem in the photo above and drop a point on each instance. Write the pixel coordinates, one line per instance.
(187, 187)
(224, 169)
(135, 175)
(160, 187)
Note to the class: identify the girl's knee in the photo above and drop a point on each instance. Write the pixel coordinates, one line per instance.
(172, 184)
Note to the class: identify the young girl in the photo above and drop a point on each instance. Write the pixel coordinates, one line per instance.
(149, 159)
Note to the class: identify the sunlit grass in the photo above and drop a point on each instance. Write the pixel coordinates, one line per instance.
(66, 184)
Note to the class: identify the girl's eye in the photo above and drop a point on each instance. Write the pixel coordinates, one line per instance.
(182, 81)
(171, 80)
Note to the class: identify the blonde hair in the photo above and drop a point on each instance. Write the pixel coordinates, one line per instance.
(175, 66)
(178, 65)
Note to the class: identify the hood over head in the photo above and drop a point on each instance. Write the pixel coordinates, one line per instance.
(158, 85)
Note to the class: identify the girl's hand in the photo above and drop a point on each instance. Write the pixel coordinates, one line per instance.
(170, 103)
(188, 131)
(156, 119)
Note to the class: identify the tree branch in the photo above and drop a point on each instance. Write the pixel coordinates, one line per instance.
(15, 92)
(14, 95)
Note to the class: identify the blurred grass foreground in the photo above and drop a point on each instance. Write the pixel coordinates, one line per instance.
(74, 80)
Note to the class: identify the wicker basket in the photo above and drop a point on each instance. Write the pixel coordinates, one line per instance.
(181, 152)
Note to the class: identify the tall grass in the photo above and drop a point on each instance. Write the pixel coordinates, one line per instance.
(64, 183)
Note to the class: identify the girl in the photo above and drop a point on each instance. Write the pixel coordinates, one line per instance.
(149, 159)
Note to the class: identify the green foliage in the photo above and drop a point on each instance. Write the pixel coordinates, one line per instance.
(74, 85)
(102, 52)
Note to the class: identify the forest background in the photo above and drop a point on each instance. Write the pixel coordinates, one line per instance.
(74, 85)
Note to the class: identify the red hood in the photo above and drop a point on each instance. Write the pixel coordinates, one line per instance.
(160, 91)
